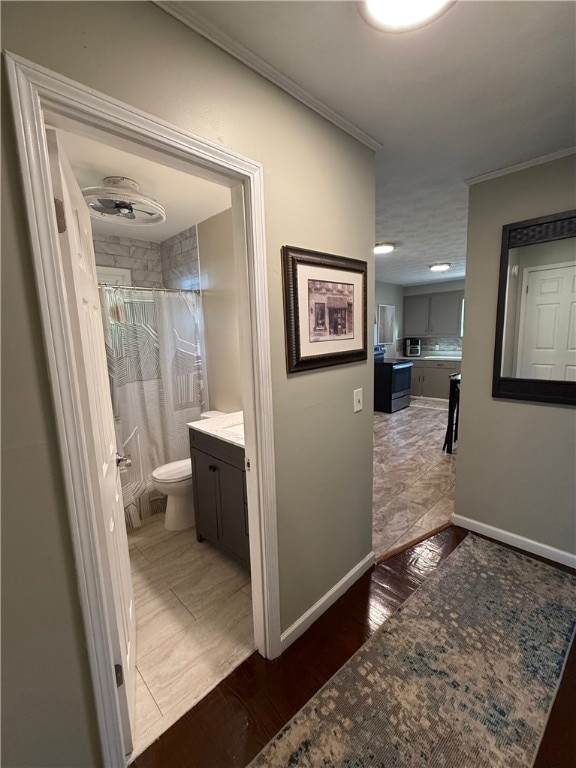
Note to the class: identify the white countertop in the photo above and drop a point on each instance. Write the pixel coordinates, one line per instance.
(433, 356)
(228, 427)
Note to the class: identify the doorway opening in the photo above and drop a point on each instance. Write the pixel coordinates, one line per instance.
(42, 99)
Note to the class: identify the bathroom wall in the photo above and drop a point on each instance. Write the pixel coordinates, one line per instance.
(219, 308)
(141, 257)
(179, 257)
(516, 459)
(173, 263)
(323, 451)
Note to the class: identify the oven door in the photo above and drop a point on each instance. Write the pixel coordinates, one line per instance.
(401, 378)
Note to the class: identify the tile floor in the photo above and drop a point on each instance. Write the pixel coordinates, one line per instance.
(193, 623)
(413, 478)
(193, 604)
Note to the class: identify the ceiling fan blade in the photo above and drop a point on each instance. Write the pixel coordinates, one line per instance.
(141, 210)
(104, 209)
(106, 202)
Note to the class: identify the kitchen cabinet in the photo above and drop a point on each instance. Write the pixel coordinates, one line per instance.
(417, 378)
(416, 313)
(431, 378)
(219, 483)
(433, 314)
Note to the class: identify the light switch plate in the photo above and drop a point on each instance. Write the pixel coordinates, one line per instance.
(357, 400)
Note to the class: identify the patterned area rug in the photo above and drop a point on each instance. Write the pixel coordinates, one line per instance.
(462, 676)
(437, 404)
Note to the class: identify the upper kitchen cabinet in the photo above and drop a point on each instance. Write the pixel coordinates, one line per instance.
(433, 314)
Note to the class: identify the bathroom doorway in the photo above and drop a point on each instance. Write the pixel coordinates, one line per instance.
(41, 98)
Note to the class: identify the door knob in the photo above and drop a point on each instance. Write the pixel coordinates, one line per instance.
(123, 461)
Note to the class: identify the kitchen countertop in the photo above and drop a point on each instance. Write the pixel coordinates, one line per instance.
(228, 427)
(436, 356)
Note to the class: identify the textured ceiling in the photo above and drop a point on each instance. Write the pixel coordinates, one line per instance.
(486, 86)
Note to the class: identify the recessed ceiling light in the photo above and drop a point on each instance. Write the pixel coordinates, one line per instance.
(439, 267)
(381, 248)
(402, 15)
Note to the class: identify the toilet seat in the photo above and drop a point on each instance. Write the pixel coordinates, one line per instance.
(174, 471)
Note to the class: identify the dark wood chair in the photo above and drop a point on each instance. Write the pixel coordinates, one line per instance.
(453, 410)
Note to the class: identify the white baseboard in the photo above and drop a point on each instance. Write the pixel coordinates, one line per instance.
(535, 547)
(307, 619)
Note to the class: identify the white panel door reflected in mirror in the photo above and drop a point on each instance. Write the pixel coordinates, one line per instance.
(386, 322)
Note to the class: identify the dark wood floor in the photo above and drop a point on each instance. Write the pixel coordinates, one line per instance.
(232, 724)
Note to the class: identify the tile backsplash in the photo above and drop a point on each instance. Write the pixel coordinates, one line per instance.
(179, 256)
(172, 263)
(141, 257)
(429, 344)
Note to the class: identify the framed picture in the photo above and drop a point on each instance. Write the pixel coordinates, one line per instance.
(324, 309)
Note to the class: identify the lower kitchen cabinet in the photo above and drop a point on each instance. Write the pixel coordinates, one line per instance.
(219, 483)
(431, 378)
(417, 379)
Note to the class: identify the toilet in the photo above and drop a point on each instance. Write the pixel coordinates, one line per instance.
(175, 481)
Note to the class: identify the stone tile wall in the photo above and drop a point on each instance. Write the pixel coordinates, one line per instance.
(141, 257)
(429, 344)
(179, 257)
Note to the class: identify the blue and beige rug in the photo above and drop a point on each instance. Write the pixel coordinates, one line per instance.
(462, 676)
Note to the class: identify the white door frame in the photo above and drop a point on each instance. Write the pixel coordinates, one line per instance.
(37, 94)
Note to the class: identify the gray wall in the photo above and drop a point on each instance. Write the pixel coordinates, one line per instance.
(323, 451)
(220, 312)
(179, 257)
(515, 459)
(141, 257)
(443, 287)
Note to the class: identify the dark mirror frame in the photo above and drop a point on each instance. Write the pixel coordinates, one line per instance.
(557, 226)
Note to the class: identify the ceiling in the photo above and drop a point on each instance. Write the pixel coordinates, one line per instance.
(487, 86)
(187, 199)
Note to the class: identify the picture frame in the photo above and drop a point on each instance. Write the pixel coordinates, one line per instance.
(325, 309)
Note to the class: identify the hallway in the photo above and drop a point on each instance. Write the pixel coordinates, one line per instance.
(413, 479)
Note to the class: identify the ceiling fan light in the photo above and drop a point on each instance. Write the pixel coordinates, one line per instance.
(381, 248)
(120, 199)
(439, 267)
(402, 15)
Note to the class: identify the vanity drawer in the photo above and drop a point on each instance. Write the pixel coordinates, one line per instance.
(220, 449)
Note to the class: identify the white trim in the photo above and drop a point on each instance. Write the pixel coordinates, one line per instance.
(35, 92)
(211, 32)
(307, 619)
(515, 540)
(521, 166)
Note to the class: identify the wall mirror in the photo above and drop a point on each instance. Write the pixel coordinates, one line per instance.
(535, 349)
(385, 321)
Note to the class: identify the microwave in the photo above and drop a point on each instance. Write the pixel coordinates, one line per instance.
(411, 347)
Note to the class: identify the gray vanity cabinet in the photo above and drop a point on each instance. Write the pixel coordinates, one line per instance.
(219, 483)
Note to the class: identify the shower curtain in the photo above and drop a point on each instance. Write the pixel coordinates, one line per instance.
(155, 367)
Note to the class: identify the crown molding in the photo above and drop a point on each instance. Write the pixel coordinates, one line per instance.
(521, 166)
(196, 22)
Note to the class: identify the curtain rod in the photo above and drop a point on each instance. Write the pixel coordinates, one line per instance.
(143, 288)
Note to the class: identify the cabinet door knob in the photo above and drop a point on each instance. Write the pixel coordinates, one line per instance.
(212, 467)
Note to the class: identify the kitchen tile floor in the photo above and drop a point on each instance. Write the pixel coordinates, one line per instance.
(193, 623)
(413, 479)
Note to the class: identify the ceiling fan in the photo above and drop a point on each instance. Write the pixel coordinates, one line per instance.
(120, 198)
